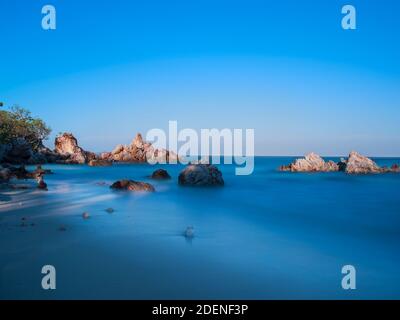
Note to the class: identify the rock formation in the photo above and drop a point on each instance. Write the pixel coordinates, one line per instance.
(67, 145)
(355, 164)
(131, 185)
(201, 175)
(20, 152)
(312, 162)
(358, 164)
(138, 151)
(160, 174)
(99, 163)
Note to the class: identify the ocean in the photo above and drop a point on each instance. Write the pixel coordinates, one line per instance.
(269, 235)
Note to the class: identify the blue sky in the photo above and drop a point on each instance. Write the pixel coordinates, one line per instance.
(285, 68)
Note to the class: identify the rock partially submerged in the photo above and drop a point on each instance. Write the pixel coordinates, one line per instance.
(201, 175)
(41, 184)
(40, 170)
(85, 215)
(139, 151)
(110, 210)
(67, 146)
(312, 162)
(99, 163)
(189, 232)
(358, 164)
(160, 174)
(355, 164)
(131, 185)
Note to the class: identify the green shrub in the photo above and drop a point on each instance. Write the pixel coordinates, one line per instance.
(18, 123)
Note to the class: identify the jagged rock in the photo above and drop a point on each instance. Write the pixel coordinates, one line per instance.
(99, 163)
(312, 162)
(357, 164)
(67, 145)
(160, 174)
(395, 168)
(118, 149)
(131, 185)
(45, 155)
(139, 151)
(201, 175)
(41, 184)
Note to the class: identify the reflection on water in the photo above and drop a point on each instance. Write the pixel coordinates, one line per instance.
(268, 235)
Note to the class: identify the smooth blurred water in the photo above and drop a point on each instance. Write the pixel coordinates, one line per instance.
(268, 235)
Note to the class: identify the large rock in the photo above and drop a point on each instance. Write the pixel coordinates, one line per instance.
(44, 155)
(139, 151)
(312, 162)
(201, 175)
(160, 174)
(358, 164)
(131, 185)
(67, 145)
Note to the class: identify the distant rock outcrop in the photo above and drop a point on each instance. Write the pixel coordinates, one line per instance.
(131, 185)
(201, 175)
(138, 151)
(66, 145)
(312, 162)
(358, 164)
(355, 164)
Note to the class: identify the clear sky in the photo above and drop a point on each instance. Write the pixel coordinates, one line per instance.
(285, 68)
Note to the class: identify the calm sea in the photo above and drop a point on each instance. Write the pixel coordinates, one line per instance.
(268, 235)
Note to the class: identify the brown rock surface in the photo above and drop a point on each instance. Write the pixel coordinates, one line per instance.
(131, 185)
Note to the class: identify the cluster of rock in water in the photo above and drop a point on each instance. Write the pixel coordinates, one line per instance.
(192, 175)
(67, 151)
(7, 172)
(354, 164)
